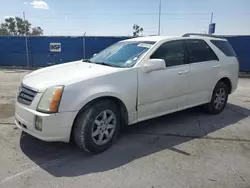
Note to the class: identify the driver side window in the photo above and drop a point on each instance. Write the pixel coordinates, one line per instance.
(172, 52)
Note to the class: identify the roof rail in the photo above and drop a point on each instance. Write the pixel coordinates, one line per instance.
(201, 34)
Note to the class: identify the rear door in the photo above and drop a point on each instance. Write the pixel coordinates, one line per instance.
(204, 70)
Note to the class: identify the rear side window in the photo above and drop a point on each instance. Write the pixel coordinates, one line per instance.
(225, 47)
(199, 51)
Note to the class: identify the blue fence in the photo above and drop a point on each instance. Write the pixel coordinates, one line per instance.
(241, 45)
(13, 49)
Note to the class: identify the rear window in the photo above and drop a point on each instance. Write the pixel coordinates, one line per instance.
(225, 47)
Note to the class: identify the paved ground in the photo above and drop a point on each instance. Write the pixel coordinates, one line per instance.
(185, 149)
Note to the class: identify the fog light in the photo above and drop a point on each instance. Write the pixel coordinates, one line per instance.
(39, 123)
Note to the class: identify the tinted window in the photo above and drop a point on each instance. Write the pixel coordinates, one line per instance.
(198, 51)
(172, 52)
(224, 46)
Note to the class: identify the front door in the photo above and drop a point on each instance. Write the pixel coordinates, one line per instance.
(160, 92)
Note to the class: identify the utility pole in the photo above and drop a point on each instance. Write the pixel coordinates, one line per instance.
(84, 45)
(211, 27)
(212, 16)
(26, 40)
(159, 24)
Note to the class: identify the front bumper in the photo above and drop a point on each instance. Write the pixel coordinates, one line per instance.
(55, 127)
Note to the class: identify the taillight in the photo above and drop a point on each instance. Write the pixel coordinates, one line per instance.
(238, 63)
(237, 58)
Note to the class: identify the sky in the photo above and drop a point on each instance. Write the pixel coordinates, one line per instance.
(116, 17)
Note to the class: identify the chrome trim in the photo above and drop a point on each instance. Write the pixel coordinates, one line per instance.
(26, 95)
(30, 88)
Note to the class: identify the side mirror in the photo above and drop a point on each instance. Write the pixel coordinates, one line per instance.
(154, 65)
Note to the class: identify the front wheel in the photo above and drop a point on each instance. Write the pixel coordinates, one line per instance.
(218, 100)
(97, 126)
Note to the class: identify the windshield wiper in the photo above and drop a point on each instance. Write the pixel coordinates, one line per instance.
(99, 63)
(107, 64)
(87, 60)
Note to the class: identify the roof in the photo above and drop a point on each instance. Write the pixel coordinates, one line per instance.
(159, 38)
(203, 37)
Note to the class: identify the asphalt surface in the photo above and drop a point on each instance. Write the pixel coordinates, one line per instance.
(186, 149)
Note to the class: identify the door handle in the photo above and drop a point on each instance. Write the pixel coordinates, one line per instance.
(216, 66)
(183, 72)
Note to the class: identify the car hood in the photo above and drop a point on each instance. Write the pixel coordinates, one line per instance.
(65, 74)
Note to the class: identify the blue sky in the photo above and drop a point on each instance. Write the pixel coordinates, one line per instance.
(116, 17)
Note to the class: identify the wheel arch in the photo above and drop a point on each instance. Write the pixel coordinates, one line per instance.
(228, 83)
(116, 100)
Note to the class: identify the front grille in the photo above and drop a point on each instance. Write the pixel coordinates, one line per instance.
(26, 95)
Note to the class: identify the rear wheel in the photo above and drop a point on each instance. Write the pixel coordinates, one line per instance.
(219, 99)
(97, 126)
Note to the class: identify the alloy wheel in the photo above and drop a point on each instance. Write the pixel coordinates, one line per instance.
(104, 127)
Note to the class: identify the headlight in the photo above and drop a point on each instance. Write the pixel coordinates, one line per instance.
(50, 100)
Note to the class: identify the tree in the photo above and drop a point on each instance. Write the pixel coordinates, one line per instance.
(137, 30)
(37, 31)
(18, 27)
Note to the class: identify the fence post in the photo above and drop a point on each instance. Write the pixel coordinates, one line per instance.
(84, 45)
(26, 41)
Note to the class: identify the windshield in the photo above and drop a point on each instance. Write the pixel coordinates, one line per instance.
(122, 54)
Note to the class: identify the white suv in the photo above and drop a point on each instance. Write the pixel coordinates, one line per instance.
(131, 81)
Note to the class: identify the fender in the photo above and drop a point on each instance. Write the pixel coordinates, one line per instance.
(93, 96)
(219, 78)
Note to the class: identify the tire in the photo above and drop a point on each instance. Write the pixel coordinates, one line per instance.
(88, 121)
(212, 107)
